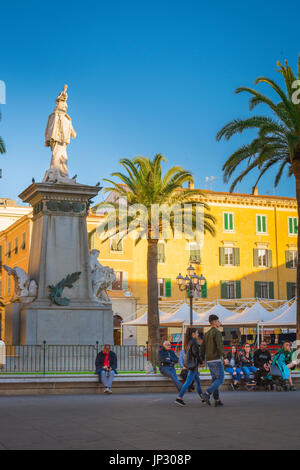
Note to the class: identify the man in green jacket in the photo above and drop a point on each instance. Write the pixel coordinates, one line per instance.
(212, 349)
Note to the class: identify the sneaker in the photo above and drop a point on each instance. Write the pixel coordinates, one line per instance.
(109, 390)
(202, 398)
(218, 403)
(106, 390)
(180, 402)
(206, 397)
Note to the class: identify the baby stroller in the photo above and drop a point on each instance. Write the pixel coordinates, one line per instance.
(278, 381)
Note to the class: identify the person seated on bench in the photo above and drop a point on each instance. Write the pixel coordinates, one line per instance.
(106, 367)
(167, 360)
(263, 361)
(232, 365)
(247, 363)
(283, 360)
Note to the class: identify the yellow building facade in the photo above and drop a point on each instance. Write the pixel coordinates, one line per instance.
(253, 254)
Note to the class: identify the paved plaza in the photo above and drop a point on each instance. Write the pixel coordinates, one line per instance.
(250, 420)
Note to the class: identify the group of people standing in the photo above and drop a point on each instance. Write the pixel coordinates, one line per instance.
(196, 352)
(254, 369)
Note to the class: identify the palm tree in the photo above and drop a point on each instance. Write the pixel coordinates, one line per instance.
(144, 184)
(277, 143)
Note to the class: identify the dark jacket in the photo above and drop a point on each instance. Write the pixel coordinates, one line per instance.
(261, 358)
(112, 359)
(193, 356)
(247, 361)
(237, 359)
(212, 347)
(167, 358)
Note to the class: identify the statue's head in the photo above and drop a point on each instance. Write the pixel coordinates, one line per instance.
(95, 253)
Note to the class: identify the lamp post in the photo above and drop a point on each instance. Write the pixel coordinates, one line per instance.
(191, 283)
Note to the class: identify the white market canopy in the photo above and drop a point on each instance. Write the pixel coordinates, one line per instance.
(218, 310)
(287, 318)
(143, 320)
(250, 316)
(182, 315)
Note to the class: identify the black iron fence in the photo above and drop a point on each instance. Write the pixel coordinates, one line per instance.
(48, 358)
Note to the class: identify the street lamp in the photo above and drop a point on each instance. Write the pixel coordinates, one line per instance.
(191, 283)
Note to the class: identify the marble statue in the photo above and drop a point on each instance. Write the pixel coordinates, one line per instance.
(24, 286)
(102, 277)
(58, 134)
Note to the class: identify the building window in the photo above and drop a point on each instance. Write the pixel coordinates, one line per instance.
(230, 289)
(116, 245)
(229, 256)
(161, 252)
(228, 221)
(23, 246)
(262, 258)
(195, 256)
(291, 257)
(293, 225)
(264, 290)
(9, 250)
(164, 287)
(261, 224)
(291, 290)
(16, 246)
(8, 285)
(121, 282)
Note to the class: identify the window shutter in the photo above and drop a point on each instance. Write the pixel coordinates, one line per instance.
(264, 224)
(255, 257)
(269, 255)
(295, 226)
(168, 287)
(236, 256)
(290, 225)
(288, 259)
(238, 289)
(256, 289)
(230, 221)
(204, 291)
(271, 290)
(161, 252)
(221, 256)
(223, 290)
(289, 290)
(125, 280)
(226, 221)
(258, 221)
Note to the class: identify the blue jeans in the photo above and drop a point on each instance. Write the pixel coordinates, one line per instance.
(107, 381)
(236, 373)
(170, 372)
(247, 371)
(217, 374)
(192, 375)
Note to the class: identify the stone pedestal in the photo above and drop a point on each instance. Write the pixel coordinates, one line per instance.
(59, 246)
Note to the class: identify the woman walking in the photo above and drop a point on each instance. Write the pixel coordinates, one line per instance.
(192, 361)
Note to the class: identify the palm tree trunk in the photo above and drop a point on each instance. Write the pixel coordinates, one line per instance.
(153, 312)
(296, 171)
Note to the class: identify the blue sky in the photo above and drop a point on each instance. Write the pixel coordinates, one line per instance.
(144, 77)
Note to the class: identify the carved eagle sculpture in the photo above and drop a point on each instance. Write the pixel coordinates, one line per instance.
(55, 292)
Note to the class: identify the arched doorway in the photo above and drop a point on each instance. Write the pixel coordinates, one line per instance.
(117, 329)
